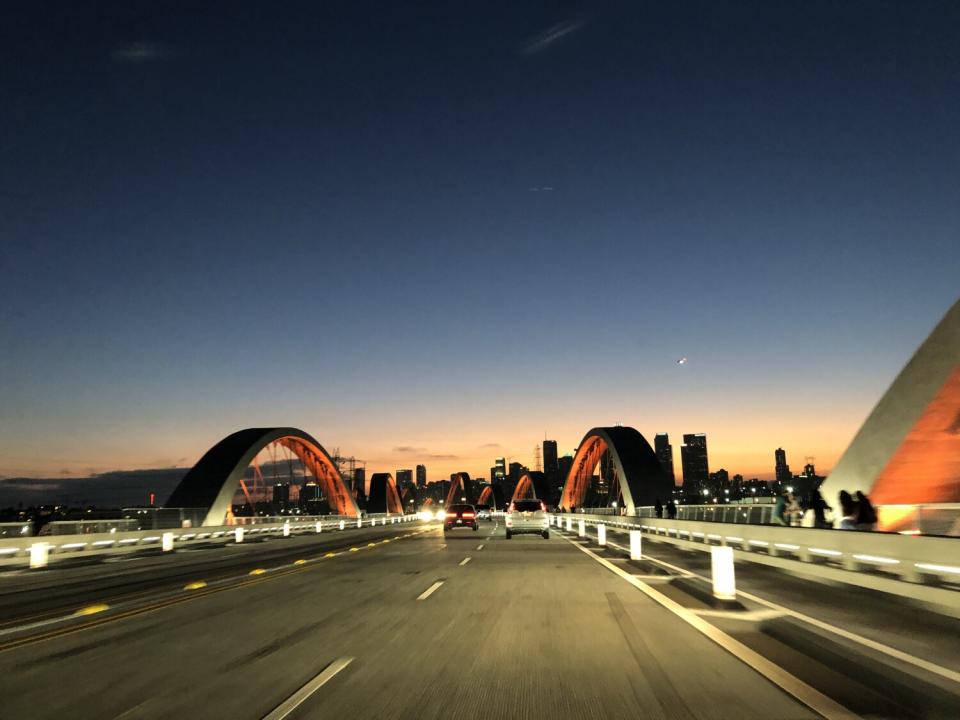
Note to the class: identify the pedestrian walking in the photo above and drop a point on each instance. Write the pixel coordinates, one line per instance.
(848, 510)
(658, 508)
(866, 513)
(780, 510)
(820, 509)
(671, 510)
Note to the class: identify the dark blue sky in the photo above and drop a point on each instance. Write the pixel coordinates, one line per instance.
(334, 215)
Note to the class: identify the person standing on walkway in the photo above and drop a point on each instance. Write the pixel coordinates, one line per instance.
(866, 514)
(658, 508)
(671, 510)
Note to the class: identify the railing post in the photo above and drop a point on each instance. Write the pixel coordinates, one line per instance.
(319, 526)
(238, 535)
(167, 541)
(342, 524)
(39, 555)
(601, 534)
(581, 528)
(721, 568)
(286, 528)
(569, 523)
(636, 545)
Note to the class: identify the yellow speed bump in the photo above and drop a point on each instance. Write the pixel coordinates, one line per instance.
(92, 609)
(258, 571)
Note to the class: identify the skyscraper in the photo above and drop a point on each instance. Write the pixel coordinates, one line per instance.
(421, 476)
(664, 450)
(550, 467)
(693, 458)
(404, 479)
(360, 481)
(782, 469)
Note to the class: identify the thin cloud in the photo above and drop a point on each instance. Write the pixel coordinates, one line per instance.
(443, 457)
(488, 446)
(140, 52)
(408, 449)
(550, 36)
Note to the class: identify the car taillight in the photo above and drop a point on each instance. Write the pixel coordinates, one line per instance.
(469, 515)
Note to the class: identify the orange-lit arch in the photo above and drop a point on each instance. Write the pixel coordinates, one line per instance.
(383, 495)
(642, 479)
(489, 497)
(532, 485)
(212, 482)
(459, 487)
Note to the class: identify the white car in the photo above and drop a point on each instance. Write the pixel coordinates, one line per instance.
(527, 516)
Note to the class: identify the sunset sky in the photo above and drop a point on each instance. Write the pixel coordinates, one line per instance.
(436, 236)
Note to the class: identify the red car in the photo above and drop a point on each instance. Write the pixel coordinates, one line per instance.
(460, 516)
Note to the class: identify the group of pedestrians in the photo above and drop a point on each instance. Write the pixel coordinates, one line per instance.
(857, 512)
(671, 509)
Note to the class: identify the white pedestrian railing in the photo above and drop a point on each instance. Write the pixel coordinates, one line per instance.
(924, 567)
(41, 550)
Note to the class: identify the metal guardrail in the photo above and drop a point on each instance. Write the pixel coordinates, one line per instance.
(39, 551)
(926, 568)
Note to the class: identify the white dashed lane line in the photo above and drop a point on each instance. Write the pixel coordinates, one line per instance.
(430, 590)
(464, 561)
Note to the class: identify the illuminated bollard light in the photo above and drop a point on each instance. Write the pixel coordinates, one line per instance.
(238, 535)
(167, 542)
(569, 524)
(286, 529)
(581, 528)
(601, 534)
(39, 555)
(319, 527)
(636, 545)
(721, 567)
(342, 525)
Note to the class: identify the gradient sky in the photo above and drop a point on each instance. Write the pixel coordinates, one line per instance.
(335, 216)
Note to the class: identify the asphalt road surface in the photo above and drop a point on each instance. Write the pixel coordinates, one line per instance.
(394, 622)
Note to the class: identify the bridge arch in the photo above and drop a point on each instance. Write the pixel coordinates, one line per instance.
(212, 482)
(491, 495)
(641, 478)
(383, 497)
(533, 485)
(459, 487)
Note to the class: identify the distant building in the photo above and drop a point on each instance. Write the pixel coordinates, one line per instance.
(550, 467)
(664, 450)
(403, 479)
(564, 465)
(421, 476)
(719, 481)
(281, 494)
(783, 473)
(360, 481)
(693, 458)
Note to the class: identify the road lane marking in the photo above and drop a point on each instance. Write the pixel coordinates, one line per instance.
(257, 571)
(299, 562)
(480, 546)
(464, 561)
(294, 701)
(809, 696)
(195, 585)
(430, 590)
(92, 609)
